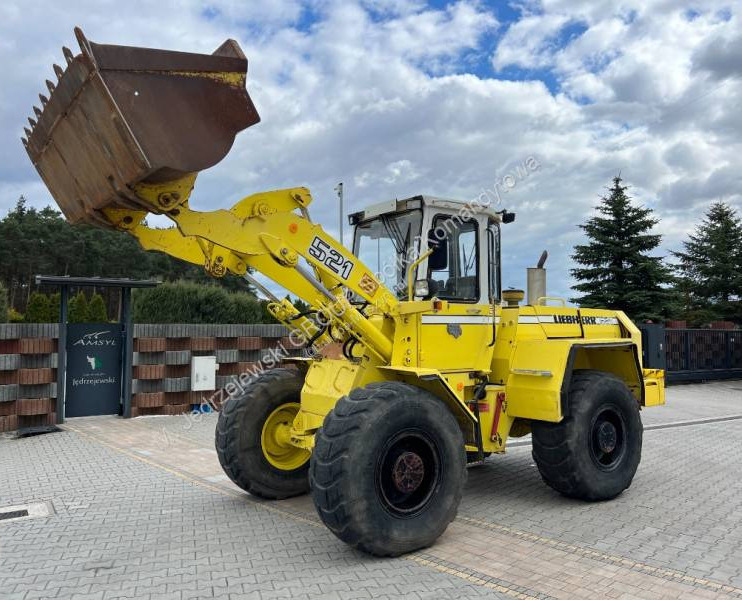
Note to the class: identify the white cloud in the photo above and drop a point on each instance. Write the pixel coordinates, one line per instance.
(376, 95)
(530, 43)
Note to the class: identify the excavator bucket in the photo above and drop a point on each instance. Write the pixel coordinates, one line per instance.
(120, 117)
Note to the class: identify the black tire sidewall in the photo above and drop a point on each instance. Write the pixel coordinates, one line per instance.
(242, 457)
(604, 393)
(374, 520)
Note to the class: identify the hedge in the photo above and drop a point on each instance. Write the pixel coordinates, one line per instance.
(186, 302)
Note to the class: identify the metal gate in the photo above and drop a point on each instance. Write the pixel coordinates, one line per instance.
(693, 354)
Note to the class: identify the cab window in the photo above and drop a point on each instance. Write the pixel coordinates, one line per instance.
(453, 272)
(493, 262)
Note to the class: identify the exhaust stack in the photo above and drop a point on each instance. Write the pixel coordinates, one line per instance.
(536, 278)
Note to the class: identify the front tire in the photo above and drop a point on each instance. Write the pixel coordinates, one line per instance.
(388, 468)
(252, 437)
(593, 453)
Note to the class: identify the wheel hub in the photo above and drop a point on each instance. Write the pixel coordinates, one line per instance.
(607, 437)
(408, 472)
(275, 439)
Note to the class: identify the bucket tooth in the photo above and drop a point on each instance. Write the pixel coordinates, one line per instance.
(25, 142)
(37, 112)
(67, 54)
(43, 99)
(58, 71)
(50, 86)
(82, 41)
(32, 122)
(27, 131)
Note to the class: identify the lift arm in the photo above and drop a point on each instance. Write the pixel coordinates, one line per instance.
(264, 232)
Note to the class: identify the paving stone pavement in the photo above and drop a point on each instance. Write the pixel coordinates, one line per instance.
(142, 510)
(126, 529)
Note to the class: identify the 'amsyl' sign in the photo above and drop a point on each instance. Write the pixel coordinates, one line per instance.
(93, 379)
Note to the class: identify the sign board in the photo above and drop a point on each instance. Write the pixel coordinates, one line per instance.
(93, 377)
(203, 373)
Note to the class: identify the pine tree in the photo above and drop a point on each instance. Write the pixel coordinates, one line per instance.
(710, 267)
(36, 241)
(616, 269)
(3, 304)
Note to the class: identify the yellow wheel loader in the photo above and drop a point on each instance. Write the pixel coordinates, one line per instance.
(439, 366)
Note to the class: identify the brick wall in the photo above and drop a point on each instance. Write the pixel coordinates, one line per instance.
(161, 373)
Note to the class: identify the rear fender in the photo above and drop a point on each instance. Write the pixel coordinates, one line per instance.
(541, 373)
(619, 358)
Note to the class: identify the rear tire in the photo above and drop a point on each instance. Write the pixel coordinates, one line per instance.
(250, 449)
(388, 468)
(593, 453)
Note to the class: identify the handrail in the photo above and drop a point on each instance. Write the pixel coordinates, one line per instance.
(544, 299)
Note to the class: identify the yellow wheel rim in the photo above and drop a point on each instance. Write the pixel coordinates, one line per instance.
(275, 439)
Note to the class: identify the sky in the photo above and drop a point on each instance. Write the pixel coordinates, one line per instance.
(451, 99)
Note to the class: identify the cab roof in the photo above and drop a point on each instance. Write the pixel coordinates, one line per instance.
(417, 202)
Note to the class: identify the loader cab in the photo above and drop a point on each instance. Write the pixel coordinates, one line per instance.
(464, 266)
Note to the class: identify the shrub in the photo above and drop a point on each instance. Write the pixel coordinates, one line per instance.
(246, 309)
(3, 304)
(185, 302)
(97, 312)
(265, 316)
(38, 309)
(14, 316)
(55, 300)
(78, 309)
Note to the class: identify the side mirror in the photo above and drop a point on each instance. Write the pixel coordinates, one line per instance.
(439, 259)
(507, 217)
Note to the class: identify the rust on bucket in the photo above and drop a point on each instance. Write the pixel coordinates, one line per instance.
(120, 118)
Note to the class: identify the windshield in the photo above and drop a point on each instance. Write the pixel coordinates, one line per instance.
(387, 245)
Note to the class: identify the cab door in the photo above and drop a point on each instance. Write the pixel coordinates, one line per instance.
(457, 337)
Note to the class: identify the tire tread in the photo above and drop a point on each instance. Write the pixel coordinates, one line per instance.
(332, 459)
(554, 443)
(229, 424)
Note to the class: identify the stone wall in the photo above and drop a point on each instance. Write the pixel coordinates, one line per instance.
(162, 361)
(28, 375)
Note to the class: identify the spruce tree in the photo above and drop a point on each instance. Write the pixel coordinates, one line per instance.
(616, 269)
(710, 268)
